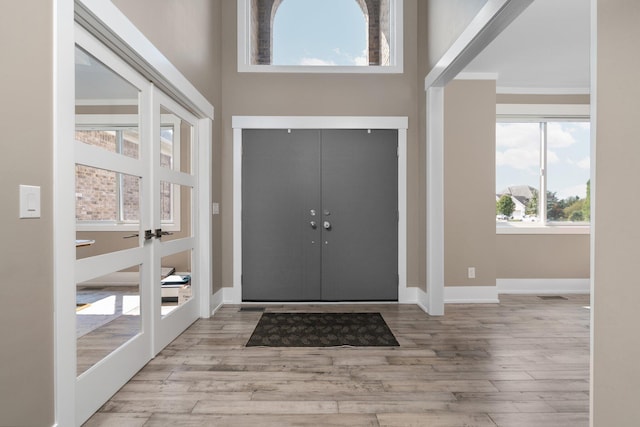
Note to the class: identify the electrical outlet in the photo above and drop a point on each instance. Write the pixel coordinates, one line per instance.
(471, 273)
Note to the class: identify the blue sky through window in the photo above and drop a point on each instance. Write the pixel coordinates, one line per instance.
(312, 32)
(568, 161)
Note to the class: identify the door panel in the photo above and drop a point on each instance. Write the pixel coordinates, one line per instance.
(113, 338)
(360, 201)
(175, 273)
(281, 250)
(348, 179)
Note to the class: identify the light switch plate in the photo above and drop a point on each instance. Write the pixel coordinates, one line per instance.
(29, 201)
(216, 208)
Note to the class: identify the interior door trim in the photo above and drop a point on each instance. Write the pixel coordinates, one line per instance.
(233, 295)
(111, 26)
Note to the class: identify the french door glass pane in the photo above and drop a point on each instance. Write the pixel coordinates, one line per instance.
(107, 315)
(176, 280)
(106, 107)
(103, 195)
(176, 138)
(175, 205)
(123, 141)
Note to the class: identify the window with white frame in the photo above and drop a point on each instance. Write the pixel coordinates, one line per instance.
(326, 36)
(542, 170)
(108, 200)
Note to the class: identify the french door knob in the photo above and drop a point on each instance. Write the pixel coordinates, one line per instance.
(326, 225)
(313, 224)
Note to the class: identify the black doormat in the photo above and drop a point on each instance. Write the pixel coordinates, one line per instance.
(322, 330)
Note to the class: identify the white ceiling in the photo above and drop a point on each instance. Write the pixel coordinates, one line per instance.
(544, 50)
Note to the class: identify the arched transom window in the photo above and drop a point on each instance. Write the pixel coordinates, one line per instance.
(294, 35)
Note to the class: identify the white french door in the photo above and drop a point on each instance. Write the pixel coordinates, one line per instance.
(174, 153)
(136, 269)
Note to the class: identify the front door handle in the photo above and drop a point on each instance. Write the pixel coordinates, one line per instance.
(313, 224)
(326, 225)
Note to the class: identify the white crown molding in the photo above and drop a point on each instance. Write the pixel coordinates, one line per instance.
(507, 90)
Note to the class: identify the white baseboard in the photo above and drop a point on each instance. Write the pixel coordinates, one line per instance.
(413, 295)
(471, 295)
(408, 295)
(216, 301)
(543, 286)
(421, 300)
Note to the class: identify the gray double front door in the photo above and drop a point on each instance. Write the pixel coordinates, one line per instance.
(319, 215)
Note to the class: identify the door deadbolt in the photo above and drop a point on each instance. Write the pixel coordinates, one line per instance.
(326, 225)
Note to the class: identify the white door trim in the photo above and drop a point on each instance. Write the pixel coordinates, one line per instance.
(494, 17)
(105, 20)
(320, 122)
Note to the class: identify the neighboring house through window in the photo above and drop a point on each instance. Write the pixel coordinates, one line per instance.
(543, 167)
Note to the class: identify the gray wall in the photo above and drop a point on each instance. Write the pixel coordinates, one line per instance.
(469, 181)
(189, 34)
(551, 256)
(470, 231)
(324, 94)
(26, 294)
(616, 347)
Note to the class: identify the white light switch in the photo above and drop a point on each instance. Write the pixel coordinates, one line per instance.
(216, 208)
(29, 201)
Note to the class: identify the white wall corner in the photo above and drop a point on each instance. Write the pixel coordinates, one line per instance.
(422, 300)
(225, 295)
(471, 294)
(217, 300)
(543, 286)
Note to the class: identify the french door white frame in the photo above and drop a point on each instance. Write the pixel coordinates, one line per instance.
(405, 295)
(106, 376)
(103, 20)
(167, 328)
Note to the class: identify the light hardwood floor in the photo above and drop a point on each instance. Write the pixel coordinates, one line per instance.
(523, 362)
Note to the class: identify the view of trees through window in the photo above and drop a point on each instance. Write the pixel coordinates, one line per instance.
(542, 172)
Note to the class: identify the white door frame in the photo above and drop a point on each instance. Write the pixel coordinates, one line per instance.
(167, 328)
(103, 20)
(494, 17)
(234, 295)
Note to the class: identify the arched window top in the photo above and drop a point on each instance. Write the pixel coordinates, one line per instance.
(338, 35)
(309, 32)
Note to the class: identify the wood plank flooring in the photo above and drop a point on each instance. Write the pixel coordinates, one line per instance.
(523, 362)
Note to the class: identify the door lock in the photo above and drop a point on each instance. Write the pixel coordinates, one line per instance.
(326, 225)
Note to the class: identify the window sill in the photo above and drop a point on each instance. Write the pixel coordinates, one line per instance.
(542, 229)
(320, 69)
